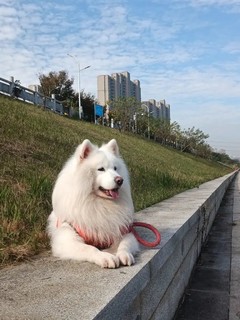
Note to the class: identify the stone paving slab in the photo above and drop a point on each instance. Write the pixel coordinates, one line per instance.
(210, 279)
(234, 312)
(202, 305)
(215, 260)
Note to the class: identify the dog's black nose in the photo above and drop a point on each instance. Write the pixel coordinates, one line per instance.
(119, 181)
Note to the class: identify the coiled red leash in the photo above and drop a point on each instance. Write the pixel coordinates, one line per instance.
(141, 240)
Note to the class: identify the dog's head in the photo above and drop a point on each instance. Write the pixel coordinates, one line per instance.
(106, 168)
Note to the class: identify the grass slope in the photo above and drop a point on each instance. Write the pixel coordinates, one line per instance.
(34, 145)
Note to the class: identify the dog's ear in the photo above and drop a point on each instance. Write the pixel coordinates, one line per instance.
(84, 149)
(113, 147)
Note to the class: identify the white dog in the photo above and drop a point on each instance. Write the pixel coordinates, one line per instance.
(93, 208)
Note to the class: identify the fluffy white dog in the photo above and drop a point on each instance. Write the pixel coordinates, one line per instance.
(93, 208)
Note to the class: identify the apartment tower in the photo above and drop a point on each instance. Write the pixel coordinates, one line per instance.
(157, 109)
(118, 85)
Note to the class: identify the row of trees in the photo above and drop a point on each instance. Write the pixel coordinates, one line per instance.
(127, 114)
(130, 116)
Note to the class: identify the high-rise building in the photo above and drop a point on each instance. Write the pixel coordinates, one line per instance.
(164, 110)
(157, 109)
(116, 86)
(136, 89)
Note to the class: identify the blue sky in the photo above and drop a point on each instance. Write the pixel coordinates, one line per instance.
(184, 51)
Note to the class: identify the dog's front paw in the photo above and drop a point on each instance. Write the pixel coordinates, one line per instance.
(107, 260)
(125, 258)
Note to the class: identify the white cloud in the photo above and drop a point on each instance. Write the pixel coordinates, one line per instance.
(199, 3)
(232, 47)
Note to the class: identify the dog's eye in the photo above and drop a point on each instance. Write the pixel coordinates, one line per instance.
(115, 168)
(101, 169)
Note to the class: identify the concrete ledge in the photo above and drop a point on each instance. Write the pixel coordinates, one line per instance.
(47, 288)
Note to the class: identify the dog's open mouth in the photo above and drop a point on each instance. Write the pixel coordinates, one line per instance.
(113, 193)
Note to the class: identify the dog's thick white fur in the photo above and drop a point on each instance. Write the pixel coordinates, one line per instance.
(92, 193)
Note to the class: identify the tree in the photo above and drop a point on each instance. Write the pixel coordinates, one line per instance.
(87, 102)
(191, 138)
(122, 111)
(60, 84)
(142, 123)
(162, 131)
(57, 83)
(204, 151)
(175, 134)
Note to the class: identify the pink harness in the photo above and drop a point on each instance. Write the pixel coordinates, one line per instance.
(104, 245)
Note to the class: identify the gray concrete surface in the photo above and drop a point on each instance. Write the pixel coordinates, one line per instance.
(47, 288)
(234, 312)
(214, 290)
(207, 295)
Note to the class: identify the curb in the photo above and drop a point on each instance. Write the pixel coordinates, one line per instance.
(151, 289)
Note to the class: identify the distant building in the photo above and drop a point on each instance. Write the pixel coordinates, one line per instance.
(157, 109)
(118, 85)
(35, 87)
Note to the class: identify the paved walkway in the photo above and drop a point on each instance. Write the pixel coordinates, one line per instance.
(214, 290)
(234, 312)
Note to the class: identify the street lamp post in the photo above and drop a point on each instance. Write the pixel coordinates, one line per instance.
(148, 111)
(79, 87)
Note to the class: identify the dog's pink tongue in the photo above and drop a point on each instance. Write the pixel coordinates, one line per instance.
(114, 194)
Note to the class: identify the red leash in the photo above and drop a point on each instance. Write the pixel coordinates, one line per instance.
(141, 240)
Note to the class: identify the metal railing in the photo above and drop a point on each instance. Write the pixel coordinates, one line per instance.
(15, 90)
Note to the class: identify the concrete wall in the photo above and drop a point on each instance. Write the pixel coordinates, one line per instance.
(151, 289)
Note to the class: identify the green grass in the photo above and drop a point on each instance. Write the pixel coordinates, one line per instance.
(35, 144)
